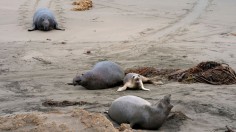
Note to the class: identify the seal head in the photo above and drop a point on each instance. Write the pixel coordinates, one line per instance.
(137, 79)
(44, 23)
(165, 104)
(76, 80)
(82, 79)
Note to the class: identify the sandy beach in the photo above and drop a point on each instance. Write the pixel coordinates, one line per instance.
(35, 66)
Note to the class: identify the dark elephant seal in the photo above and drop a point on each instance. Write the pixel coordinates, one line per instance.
(139, 113)
(44, 20)
(104, 74)
(135, 81)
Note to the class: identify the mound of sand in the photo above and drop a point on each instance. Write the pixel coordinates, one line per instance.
(30, 123)
(125, 127)
(75, 120)
(93, 121)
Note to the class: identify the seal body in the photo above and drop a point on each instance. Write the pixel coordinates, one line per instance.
(139, 113)
(104, 74)
(135, 81)
(44, 20)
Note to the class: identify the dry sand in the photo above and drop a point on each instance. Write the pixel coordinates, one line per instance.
(35, 66)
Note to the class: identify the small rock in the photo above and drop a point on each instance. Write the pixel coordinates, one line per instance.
(88, 52)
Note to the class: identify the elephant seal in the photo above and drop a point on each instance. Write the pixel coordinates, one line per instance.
(44, 20)
(139, 113)
(135, 81)
(104, 74)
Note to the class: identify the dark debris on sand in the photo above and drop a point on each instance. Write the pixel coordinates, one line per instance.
(51, 103)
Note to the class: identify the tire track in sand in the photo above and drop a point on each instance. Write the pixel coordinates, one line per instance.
(36, 4)
(189, 18)
(152, 36)
(24, 13)
(59, 13)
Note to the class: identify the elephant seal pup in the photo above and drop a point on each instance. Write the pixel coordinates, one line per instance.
(135, 81)
(139, 113)
(104, 74)
(44, 20)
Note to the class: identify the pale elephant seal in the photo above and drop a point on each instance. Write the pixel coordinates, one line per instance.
(139, 113)
(105, 74)
(135, 81)
(44, 20)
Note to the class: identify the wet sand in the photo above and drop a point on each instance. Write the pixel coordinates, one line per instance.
(35, 66)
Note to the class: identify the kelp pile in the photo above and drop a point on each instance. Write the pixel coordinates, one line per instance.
(81, 5)
(205, 72)
(150, 71)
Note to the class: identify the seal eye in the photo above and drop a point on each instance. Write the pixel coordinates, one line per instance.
(138, 75)
(133, 77)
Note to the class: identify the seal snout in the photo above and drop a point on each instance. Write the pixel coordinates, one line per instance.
(46, 24)
(136, 78)
(76, 80)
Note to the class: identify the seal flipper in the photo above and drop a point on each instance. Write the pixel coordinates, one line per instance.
(135, 125)
(33, 28)
(57, 28)
(71, 84)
